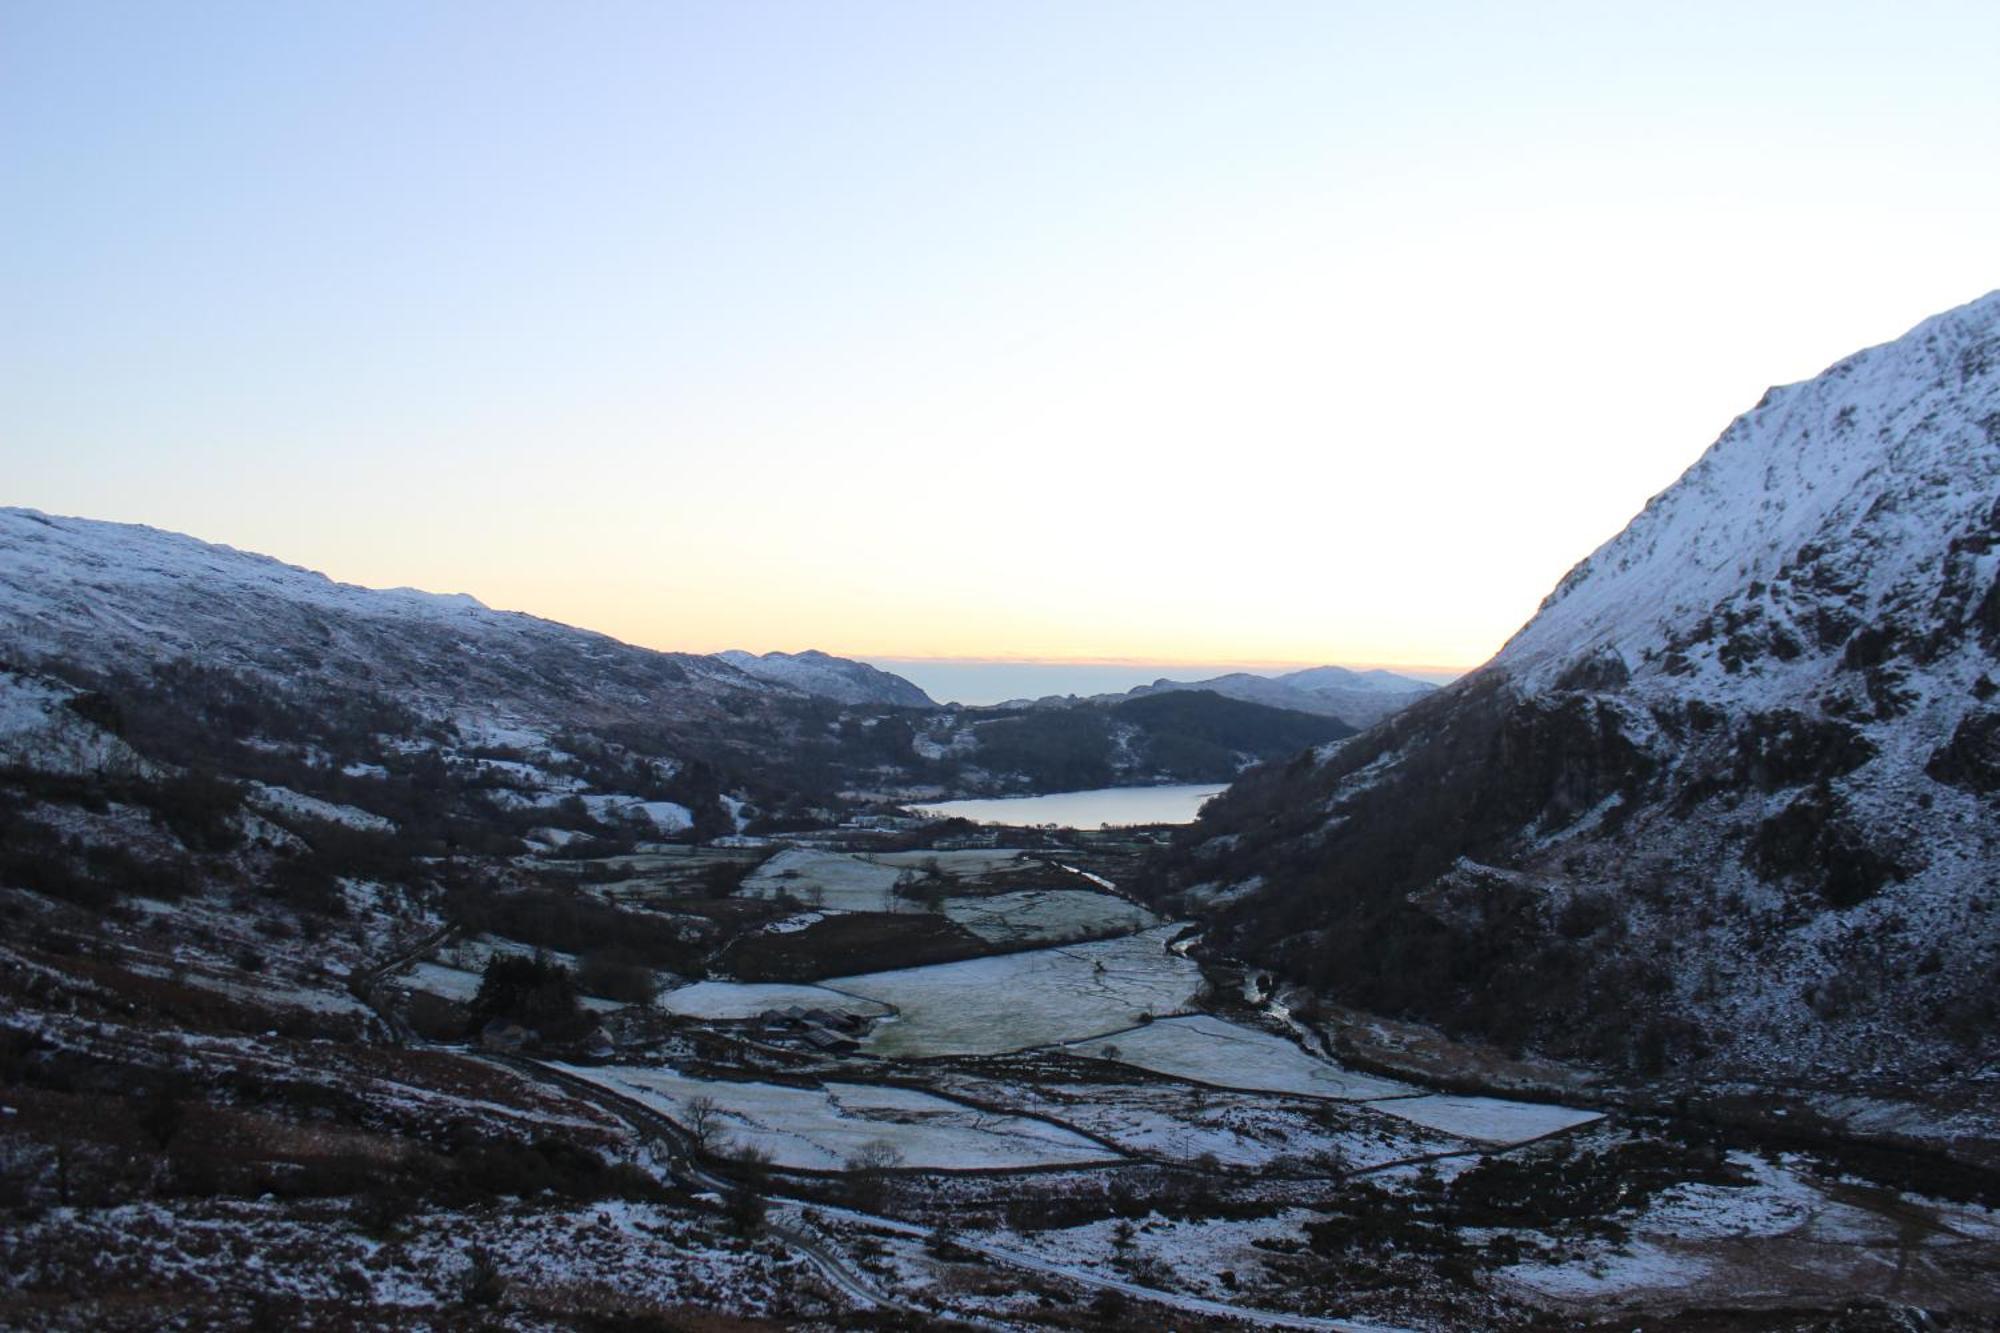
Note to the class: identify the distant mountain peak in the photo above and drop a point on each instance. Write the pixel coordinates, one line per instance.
(1358, 698)
(840, 679)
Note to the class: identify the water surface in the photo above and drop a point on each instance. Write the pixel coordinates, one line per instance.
(1086, 809)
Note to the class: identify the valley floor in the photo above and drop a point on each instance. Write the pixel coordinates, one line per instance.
(911, 1087)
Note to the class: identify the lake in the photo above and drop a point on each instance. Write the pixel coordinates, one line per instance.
(1086, 809)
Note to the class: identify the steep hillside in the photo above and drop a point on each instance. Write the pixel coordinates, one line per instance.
(1728, 801)
(119, 598)
(232, 663)
(838, 678)
(205, 658)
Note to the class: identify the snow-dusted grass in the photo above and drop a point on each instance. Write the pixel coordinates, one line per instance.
(985, 1006)
(1184, 1123)
(1187, 1256)
(1487, 1119)
(745, 999)
(823, 1128)
(460, 986)
(329, 998)
(666, 817)
(472, 955)
(1638, 1265)
(39, 731)
(828, 879)
(972, 861)
(451, 983)
(1051, 915)
(285, 801)
(853, 882)
(1781, 1231)
(1211, 1050)
(226, 1263)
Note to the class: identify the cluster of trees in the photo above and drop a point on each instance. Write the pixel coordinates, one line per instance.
(536, 993)
(563, 921)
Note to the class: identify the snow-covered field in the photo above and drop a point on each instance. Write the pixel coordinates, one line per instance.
(840, 881)
(972, 861)
(823, 1128)
(1212, 1050)
(829, 879)
(451, 983)
(726, 1000)
(1486, 1119)
(987, 1005)
(1186, 1123)
(1052, 915)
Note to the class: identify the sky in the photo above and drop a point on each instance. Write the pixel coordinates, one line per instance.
(1080, 332)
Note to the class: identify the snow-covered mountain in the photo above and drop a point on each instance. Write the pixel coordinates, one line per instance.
(1728, 799)
(119, 598)
(225, 655)
(222, 656)
(1358, 698)
(837, 678)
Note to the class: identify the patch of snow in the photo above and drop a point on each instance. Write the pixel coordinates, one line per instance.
(726, 1000)
(1206, 1049)
(822, 1128)
(984, 1006)
(1486, 1119)
(285, 801)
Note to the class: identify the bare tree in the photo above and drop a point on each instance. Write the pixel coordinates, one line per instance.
(702, 1117)
(867, 1188)
(876, 1155)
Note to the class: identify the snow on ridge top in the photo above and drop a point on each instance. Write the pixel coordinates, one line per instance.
(1374, 680)
(47, 549)
(838, 678)
(80, 594)
(1886, 448)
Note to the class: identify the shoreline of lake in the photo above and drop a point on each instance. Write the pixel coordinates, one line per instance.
(1103, 807)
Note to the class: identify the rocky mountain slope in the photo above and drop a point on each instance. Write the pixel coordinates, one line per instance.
(1727, 803)
(838, 678)
(235, 664)
(120, 598)
(241, 666)
(1357, 698)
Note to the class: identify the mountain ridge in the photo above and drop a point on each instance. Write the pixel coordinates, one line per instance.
(841, 679)
(1356, 698)
(1727, 802)
(181, 629)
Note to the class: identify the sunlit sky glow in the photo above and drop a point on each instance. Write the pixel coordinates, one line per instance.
(1217, 333)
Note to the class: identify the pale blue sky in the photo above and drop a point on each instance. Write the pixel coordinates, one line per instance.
(1222, 332)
